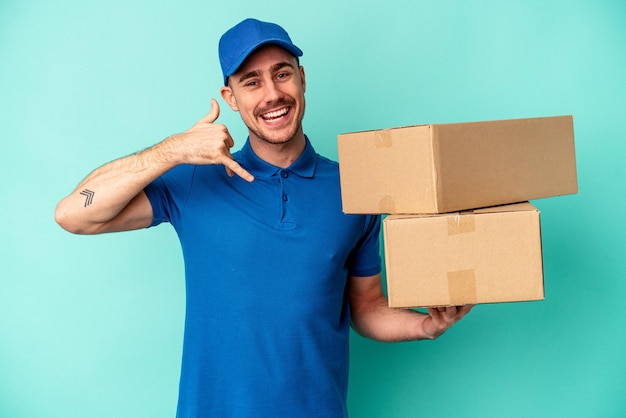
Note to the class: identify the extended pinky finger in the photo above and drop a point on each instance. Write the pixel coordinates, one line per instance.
(233, 167)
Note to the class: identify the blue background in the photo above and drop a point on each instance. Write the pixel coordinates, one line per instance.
(92, 326)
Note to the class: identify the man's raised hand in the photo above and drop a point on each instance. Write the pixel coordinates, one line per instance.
(209, 143)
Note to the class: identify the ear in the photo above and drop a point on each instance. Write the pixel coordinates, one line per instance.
(229, 97)
(303, 78)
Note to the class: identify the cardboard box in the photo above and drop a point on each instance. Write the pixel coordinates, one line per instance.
(481, 256)
(450, 167)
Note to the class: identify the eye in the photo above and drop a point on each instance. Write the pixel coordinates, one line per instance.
(250, 83)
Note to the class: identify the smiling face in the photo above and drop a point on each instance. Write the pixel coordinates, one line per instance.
(268, 92)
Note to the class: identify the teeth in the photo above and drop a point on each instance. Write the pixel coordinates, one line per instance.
(275, 114)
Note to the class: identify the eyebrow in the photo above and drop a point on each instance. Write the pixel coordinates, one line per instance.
(274, 68)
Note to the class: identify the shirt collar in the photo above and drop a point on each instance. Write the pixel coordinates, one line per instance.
(304, 166)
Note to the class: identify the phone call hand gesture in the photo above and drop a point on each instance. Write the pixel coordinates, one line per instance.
(209, 143)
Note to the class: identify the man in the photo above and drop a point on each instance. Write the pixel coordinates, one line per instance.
(274, 270)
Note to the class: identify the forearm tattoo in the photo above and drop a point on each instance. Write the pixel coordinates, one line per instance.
(88, 196)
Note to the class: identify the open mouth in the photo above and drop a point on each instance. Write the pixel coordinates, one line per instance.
(275, 114)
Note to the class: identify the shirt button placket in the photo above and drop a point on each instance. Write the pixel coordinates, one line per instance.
(284, 174)
(285, 217)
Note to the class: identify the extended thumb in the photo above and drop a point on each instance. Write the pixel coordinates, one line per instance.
(213, 114)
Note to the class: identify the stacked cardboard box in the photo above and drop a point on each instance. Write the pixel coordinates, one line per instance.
(460, 229)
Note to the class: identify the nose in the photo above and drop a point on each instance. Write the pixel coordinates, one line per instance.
(272, 91)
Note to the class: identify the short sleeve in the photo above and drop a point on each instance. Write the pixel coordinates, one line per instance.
(156, 195)
(168, 194)
(365, 259)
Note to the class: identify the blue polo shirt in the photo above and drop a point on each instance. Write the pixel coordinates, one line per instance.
(266, 266)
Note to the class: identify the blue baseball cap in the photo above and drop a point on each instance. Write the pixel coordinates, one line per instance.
(244, 38)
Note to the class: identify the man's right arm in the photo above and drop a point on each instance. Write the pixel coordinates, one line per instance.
(111, 198)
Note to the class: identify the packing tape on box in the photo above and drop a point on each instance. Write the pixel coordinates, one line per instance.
(461, 224)
(383, 139)
(387, 204)
(462, 287)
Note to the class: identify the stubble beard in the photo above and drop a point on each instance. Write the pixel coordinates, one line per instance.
(283, 138)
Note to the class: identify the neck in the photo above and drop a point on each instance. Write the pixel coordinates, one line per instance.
(280, 155)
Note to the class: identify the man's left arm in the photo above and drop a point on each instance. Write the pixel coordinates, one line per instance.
(373, 318)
